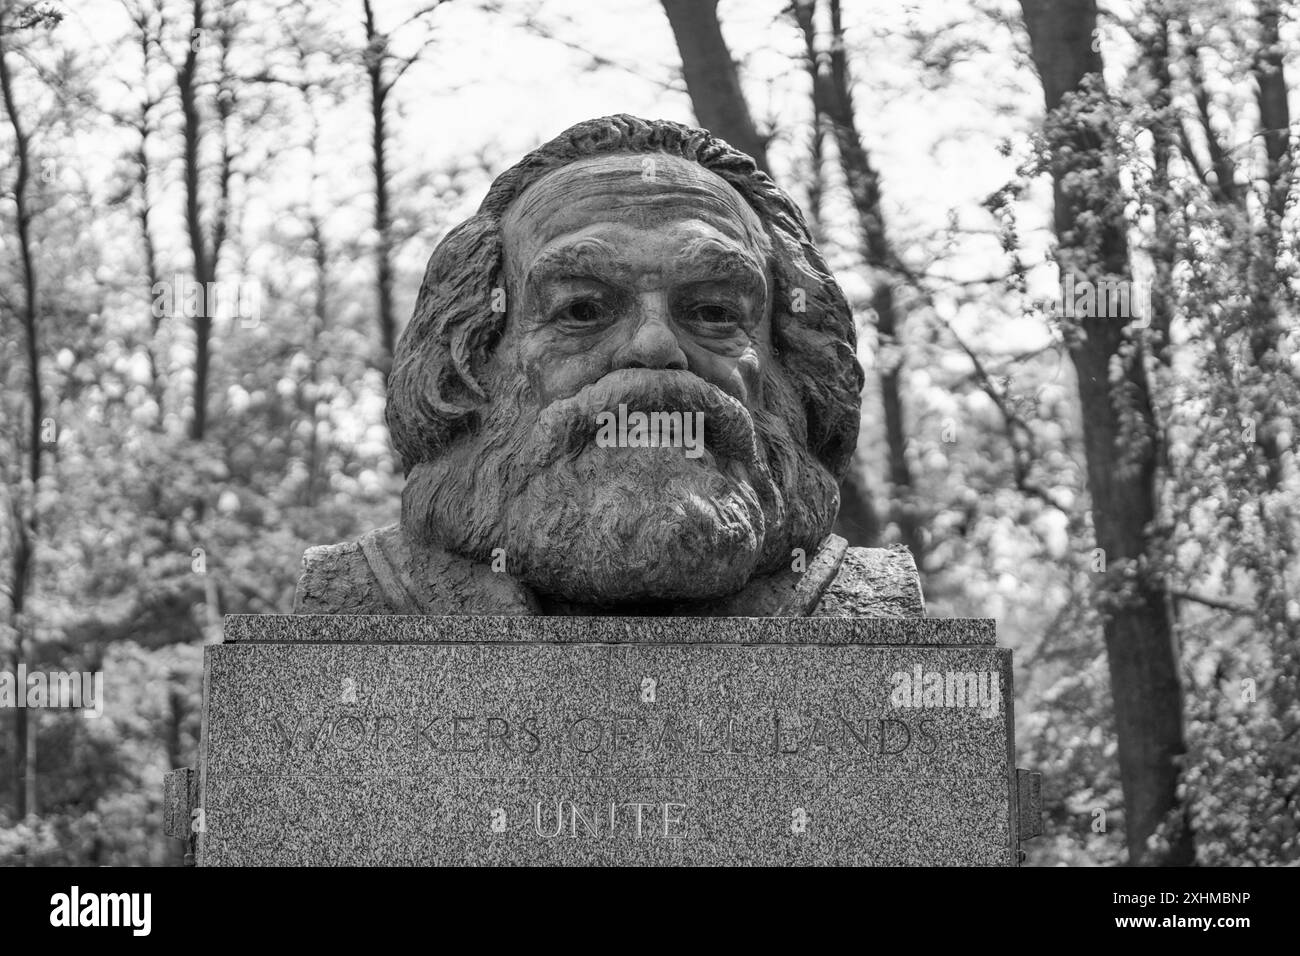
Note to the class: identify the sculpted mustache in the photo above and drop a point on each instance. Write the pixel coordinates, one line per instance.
(568, 425)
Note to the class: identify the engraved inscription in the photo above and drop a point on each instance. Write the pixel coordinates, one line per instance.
(779, 735)
(574, 819)
(798, 821)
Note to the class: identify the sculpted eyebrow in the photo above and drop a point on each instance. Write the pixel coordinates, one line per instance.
(590, 258)
(708, 260)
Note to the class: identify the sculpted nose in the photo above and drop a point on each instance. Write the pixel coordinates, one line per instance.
(653, 344)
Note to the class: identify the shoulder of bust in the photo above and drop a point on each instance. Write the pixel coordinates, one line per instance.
(874, 582)
(337, 579)
(383, 573)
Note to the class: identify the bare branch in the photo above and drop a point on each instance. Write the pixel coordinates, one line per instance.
(537, 28)
(1216, 603)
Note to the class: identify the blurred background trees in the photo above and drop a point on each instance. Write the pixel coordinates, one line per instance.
(214, 218)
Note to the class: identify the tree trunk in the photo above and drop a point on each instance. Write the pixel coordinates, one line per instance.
(1275, 129)
(187, 83)
(157, 386)
(857, 521)
(804, 11)
(1121, 456)
(380, 86)
(864, 191)
(712, 78)
(1164, 252)
(25, 516)
(143, 124)
(320, 315)
(29, 780)
(1274, 113)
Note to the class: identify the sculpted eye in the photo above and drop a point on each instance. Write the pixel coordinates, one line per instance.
(582, 312)
(713, 316)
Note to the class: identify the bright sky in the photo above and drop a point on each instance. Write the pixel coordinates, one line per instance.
(487, 80)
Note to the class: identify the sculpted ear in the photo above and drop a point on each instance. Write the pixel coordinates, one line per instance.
(459, 316)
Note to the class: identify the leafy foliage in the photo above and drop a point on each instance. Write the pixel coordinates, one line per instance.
(146, 536)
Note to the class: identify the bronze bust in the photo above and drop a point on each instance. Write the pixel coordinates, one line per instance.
(644, 270)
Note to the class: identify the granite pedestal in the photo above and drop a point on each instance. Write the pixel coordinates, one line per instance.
(619, 741)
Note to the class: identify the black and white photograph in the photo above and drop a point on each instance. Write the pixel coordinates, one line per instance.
(643, 434)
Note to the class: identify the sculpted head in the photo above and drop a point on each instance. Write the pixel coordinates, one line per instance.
(637, 264)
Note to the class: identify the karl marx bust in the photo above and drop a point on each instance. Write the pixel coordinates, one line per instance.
(626, 266)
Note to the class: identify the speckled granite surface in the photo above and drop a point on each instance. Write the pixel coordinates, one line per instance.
(380, 629)
(732, 741)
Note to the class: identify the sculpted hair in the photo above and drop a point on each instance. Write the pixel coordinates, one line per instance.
(435, 391)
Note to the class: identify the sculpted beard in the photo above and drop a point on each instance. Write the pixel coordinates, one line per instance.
(608, 525)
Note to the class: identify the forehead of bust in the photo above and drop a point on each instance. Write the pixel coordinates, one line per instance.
(644, 191)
